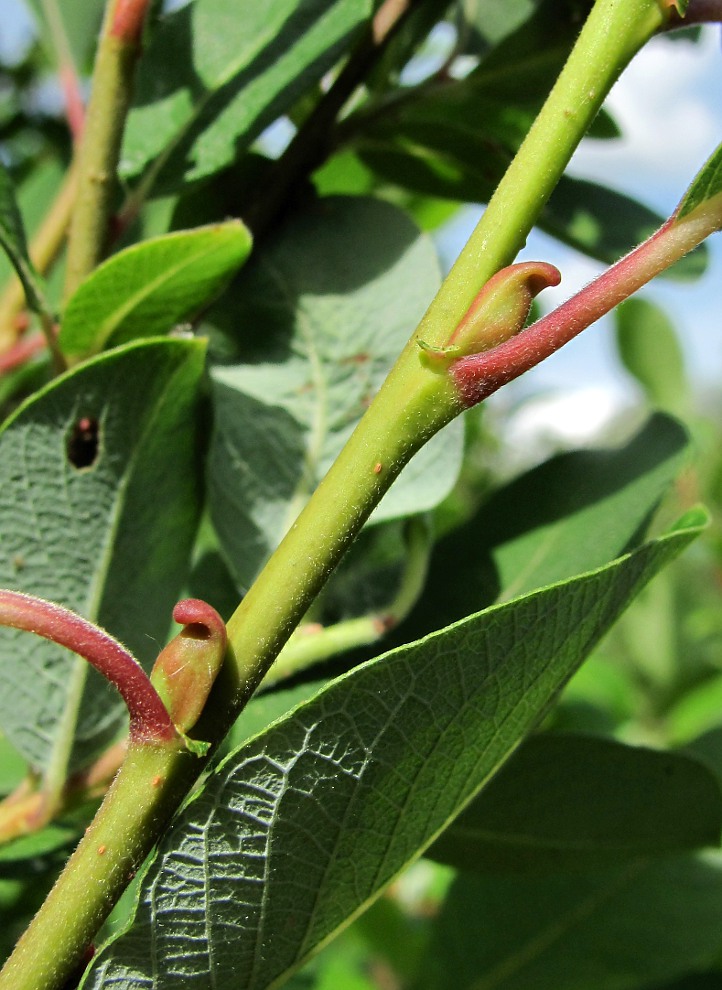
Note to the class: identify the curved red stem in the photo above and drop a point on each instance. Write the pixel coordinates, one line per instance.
(149, 720)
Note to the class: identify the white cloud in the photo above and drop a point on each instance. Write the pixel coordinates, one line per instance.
(668, 104)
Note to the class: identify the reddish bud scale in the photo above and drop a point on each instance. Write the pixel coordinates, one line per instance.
(477, 376)
(186, 669)
(498, 313)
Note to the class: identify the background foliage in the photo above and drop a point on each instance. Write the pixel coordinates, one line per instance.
(169, 461)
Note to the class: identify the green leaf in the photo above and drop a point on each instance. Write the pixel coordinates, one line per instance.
(13, 242)
(694, 981)
(568, 802)
(606, 224)
(148, 288)
(449, 158)
(13, 768)
(74, 24)
(77, 463)
(616, 929)
(698, 711)
(491, 22)
(298, 831)
(233, 67)
(707, 186)
(35, 190)
(318, 320)
(650, 351)
(564, 517)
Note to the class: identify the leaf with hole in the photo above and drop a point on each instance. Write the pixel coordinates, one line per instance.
(76, 464)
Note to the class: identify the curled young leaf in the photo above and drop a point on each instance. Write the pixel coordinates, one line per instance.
(185, 669)
(497, 313)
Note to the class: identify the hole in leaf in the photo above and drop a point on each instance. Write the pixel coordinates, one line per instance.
(82, 446)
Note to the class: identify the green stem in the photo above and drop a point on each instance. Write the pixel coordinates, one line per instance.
(149, 786)
(118, 51)
(308, 647)
(614, 31)
(408, 410)
(414, 403)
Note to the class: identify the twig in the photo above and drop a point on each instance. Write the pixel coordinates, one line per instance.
(118, 52)
(45, 247)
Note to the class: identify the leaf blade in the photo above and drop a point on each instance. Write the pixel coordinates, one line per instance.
(635, 925)
(706, 186)
(564, 517)
(13, 242)
(324, 313)
(334, 800)
(235, 67)
(569, 802)
(172, 276)
(76, 462)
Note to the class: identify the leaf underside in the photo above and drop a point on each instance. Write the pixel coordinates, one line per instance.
(76, 464)
(338, 797)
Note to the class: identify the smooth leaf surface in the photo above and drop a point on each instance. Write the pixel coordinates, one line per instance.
(564, 517)
(232, 67)
(706, 186)
(651, 352)
(453, 159)
(315, 325)
(617, 929)
(569, 802)
(300, 829)
(148, 288)
(77, 463)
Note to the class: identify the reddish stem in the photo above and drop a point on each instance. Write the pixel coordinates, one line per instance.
(149, 720)
(74, 106)
(21, 352)
(479, 375)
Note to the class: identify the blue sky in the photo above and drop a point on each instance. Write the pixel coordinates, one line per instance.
(668, 104)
